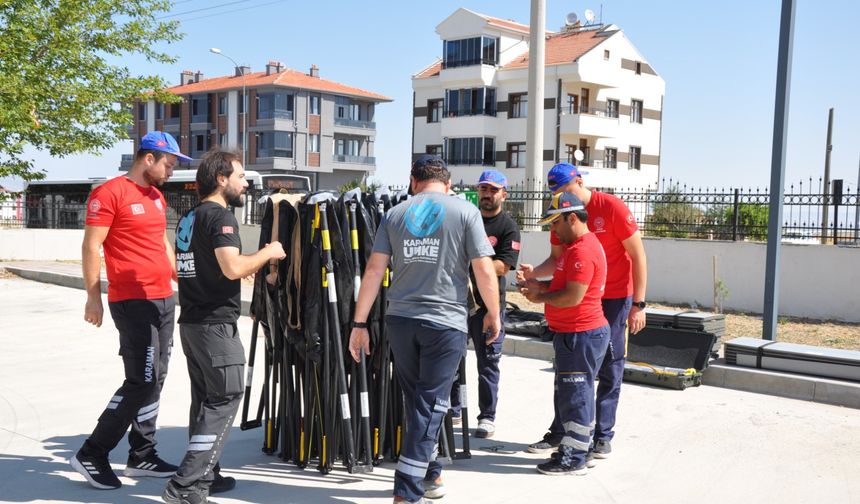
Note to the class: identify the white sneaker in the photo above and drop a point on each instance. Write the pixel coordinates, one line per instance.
(486, 428)
(434, 490)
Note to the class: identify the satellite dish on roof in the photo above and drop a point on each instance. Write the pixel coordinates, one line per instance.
(578, 155)
(571, 19)
(589, 16)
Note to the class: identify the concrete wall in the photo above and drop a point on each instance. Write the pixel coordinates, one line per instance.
(816, 281)
(41, 244)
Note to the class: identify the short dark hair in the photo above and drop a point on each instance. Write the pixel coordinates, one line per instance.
(140, 154)
(582, 215)
(429, 167)
(214, 163)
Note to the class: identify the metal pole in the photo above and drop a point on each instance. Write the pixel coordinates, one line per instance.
(534, 122)
(217, 51)
(777, 170)
(826, 191)
(735, 208)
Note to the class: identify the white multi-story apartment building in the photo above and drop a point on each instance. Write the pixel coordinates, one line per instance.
(297, 122)
(601, 97)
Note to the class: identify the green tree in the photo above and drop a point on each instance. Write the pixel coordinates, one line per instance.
(58, 91)
(752, 220)
(672, 215)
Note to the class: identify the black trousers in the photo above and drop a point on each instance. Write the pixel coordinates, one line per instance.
(145, 340)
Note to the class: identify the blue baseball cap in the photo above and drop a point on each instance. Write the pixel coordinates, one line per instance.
(562, 202)
(561, 174)
(493, 178)
(164, 142)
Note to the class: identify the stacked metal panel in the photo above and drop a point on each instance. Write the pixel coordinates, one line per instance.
(713, 323)
(794, 358)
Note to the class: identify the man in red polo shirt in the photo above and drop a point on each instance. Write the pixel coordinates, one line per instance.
(623, 302)
(574, 313)
(125, 216)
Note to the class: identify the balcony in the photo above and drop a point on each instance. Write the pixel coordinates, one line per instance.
(365, 160)
(126, 162)
(200, 122)
(352, 123)
(592, 122)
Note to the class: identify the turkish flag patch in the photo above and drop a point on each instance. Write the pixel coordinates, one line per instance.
(226, 229)
(515, 245)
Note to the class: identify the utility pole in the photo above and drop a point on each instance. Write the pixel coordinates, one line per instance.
(534, 122)
(825, 206)
(777, 170)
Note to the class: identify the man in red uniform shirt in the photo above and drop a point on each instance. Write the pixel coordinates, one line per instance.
(623, 301)
(574, 313)
(125, 216)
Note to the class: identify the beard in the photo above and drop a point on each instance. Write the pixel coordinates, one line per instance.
(157, 182)
(489, 205)
(234, 198)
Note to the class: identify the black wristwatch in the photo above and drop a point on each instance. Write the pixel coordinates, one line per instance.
(640, 304)
(359, 325)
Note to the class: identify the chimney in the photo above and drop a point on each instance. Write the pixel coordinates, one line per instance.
(186, 77)
(242, 70)
(315, 71)
(198, 76)
(274, 67)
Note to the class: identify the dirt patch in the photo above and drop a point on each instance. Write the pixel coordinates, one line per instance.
(4, 274)
(789, 329)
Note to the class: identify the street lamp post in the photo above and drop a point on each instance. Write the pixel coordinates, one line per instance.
(217, 51)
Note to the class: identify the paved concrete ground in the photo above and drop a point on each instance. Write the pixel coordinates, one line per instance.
(705, 444)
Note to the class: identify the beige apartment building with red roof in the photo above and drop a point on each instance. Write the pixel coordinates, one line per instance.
(601, 97)
(296, 122)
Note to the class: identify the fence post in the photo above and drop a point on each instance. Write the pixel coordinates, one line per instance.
(735, 206)
(837, 200)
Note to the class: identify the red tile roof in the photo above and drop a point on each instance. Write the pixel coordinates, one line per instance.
(560, 48)
(563, 48)
(508, 24)
(286, 78)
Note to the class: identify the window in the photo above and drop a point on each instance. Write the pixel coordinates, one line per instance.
(434, 110)
(346, 109)
(275, 144)
(241, 104)
(638, 68)
(313, 143)
(519, 105)
(586, 152)
(141, 111)
(570, 150)
(467, 102)
(222, 105)
(612, 108)
(199, 145)
(175, 109)
(635, 159)
(572, 104)
(435, 150)
(610, 157)
(606, 54)
(347, 147)
(584, 101)
(470, 51)
(471, 151)
(517, 155)
(315, 105)
(159, 111)
(636, 111)
(222, 140)
(275, 106)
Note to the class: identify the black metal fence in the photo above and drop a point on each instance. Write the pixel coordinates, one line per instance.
(671, 209)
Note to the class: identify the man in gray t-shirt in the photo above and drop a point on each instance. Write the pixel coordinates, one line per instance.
(431, 239)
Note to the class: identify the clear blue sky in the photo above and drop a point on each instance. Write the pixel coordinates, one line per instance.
(718, 60)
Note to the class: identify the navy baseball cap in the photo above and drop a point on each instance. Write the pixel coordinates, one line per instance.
(164, 142)
(562, 202)
(493, 178)
(561, 174)
(426, 159)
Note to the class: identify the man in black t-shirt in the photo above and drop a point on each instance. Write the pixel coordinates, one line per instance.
(210, 266)
(504, 236)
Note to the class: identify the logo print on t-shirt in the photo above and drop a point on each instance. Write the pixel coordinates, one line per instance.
(158, 205)
(424, 218)
(599, 225)
(184, 231)
(493, 240)
(95, 205)
(226, 229)
(137, 209)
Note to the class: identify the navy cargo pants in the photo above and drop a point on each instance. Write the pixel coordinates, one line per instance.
(488, 357)
(426, 357)
(611, 371)
(578, 356)
(145, 339)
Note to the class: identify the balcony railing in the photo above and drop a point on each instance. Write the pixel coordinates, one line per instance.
(200, 118)
(170, 121)
(469, 112)
(337, 158)
(353, 123)
(274, 153)
(599, 112)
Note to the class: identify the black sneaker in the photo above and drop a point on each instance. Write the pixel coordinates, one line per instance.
(222, 484)
(602, 449)
(175, 494)
(589, 458)
(555, 468)
(549, 443)
(96, 470)
(151, 465)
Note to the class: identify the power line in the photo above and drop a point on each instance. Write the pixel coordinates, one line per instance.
(232, 10)
(203, 9)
